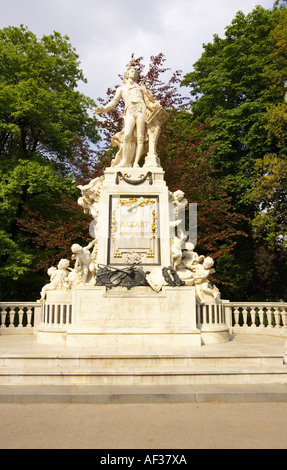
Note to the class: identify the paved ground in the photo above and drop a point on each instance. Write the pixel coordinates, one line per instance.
(165, 426)
(144, 426)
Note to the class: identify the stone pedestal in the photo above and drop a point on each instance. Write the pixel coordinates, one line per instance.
(137, 320)
(133, 218)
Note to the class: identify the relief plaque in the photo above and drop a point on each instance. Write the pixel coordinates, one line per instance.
(134, 230)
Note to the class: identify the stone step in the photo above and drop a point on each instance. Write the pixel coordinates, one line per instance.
(148, 361)
(112, 394)
(142, 375)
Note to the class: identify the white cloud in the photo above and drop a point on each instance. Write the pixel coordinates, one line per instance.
(106, 32)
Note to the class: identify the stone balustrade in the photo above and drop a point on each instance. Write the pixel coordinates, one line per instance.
(56, 315)
(258, 317)
(211, 314)
(268, 318)
(19, 317)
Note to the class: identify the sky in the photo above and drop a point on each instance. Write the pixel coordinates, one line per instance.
(105, 33)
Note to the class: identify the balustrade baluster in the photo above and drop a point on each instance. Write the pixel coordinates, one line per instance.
(269, 317)
(284, 317)
(236, 316)
(261, 317)
(6, 317)
(53, 314)
(57, 314)
(12, 317)
(48, 315)
(222, 313)
(212, 313)
(204, 316)
(253, 317)
(70, 314)
(61, 314)
(198, 315)
(29, 317)
(66, 314)
(277, 317)
(217, 314)
(44, 314)
(244, 314)
(20, 317)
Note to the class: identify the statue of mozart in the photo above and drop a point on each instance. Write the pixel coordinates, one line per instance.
(143, 117)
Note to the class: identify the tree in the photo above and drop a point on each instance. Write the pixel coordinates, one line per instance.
(41, 110)
(45, 127)
(231, 87)
(269, 191)
(238, 89)
(31, 194)
(188, 167)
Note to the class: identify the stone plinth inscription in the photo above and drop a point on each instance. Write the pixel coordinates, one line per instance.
(133, 237)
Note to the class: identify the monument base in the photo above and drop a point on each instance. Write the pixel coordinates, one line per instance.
(135, 320)
(215, 334)
(132, 343)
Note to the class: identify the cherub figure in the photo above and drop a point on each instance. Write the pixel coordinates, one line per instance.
(91, 195)
(201, 272)
(187, 259)
(58, 278)
(176, 247)
(189, 256)
(83, 259)
(195, 269)
(178, 204)
(74, 277)
(177, 198)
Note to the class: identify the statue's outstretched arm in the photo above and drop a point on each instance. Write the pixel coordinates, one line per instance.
(111, 105)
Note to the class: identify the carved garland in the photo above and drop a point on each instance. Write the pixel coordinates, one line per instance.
(134, 182)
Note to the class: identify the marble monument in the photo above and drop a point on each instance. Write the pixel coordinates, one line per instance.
(137, 285)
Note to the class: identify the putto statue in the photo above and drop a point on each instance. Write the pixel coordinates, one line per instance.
(143, 118)
(58, 278)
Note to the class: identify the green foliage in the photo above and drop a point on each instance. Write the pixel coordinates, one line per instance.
(237, 87)
(28, 188)
(231, 84)
(188, 166)
(270, 190)
(32, 183)
(17, 260)
(45, 128)
(40, 109)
